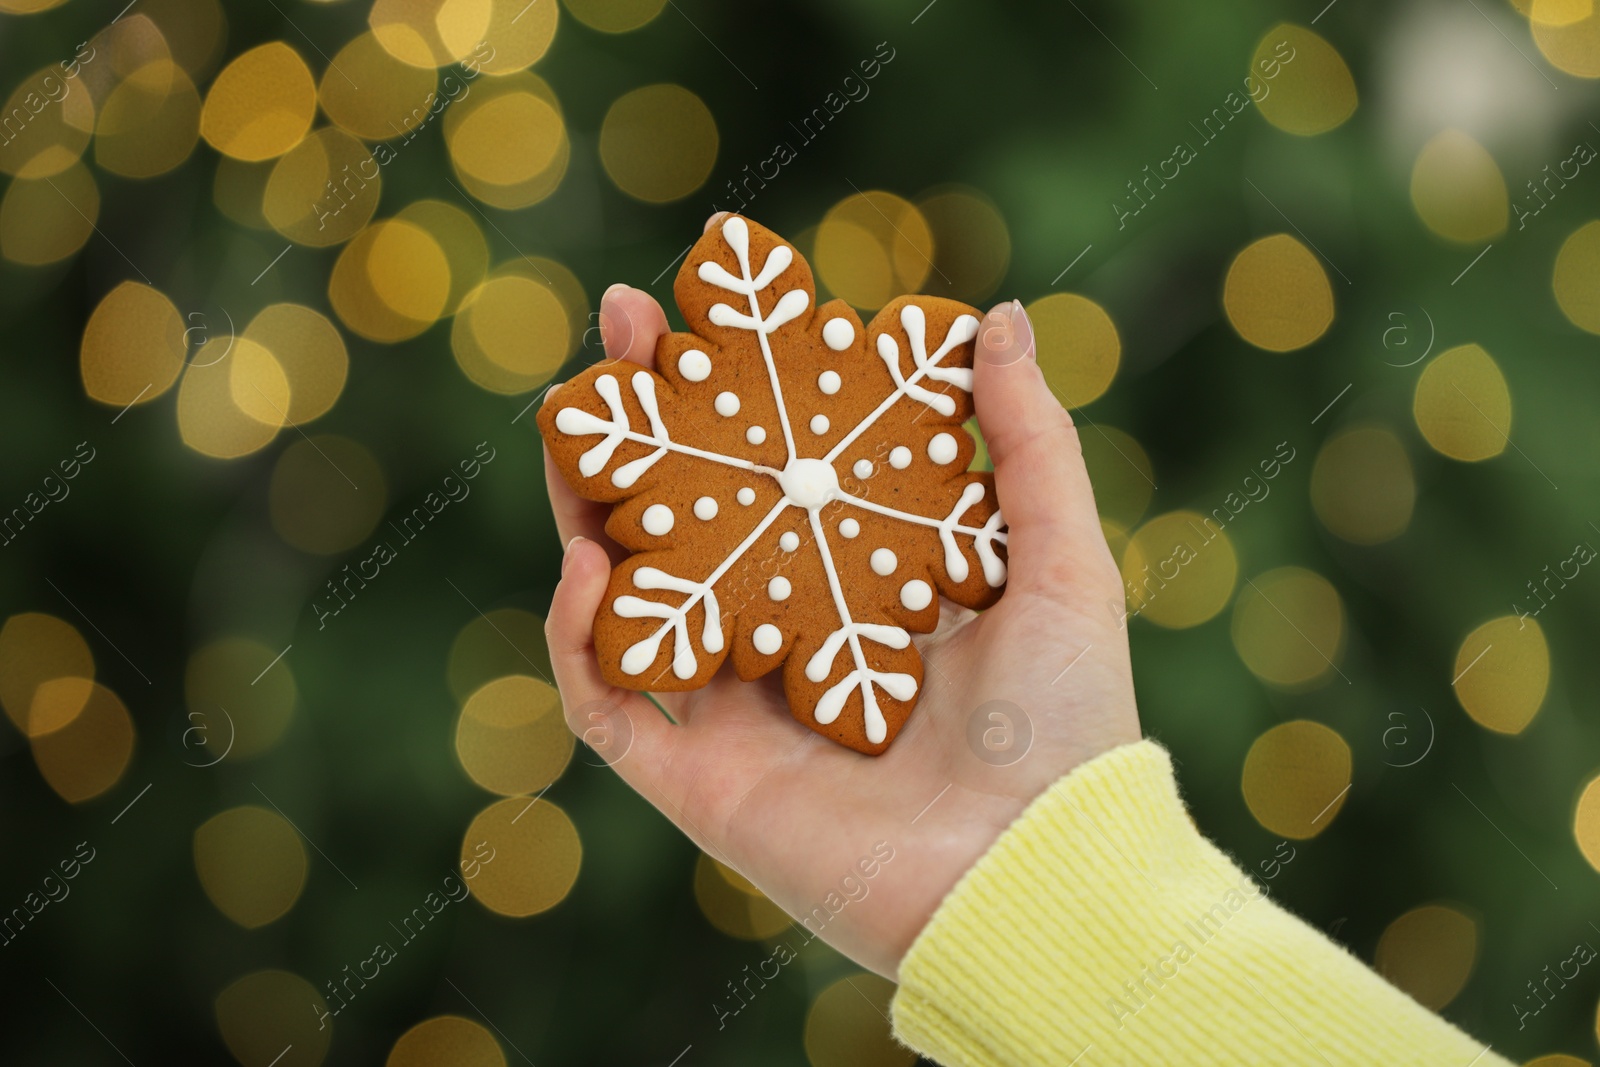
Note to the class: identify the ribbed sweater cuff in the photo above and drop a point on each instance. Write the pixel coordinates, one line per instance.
(1101, 928)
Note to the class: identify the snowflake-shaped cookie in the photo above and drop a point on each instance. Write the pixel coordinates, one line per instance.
(793, 485)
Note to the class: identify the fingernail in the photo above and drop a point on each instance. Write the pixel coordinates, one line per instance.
(1005, 336)
(613, 288)
(1022, 330)
(616, 328)
(714, 219)
(567, 554)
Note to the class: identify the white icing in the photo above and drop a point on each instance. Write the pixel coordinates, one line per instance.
(789, 541)
(837, 334)
(727, 405)
(943, 448)
(705, 509)
(828, 381)
(916, 594)
(579, 423)
(657, 519)
(983, 538)
(862, 468)
(745, 496)
(694, 365)
(767, 639)
(819, 424)
(779, 588)
(900, 457)
(640, 655)
(755, 435)
(849, 528)
(883, 561)
(810, 483)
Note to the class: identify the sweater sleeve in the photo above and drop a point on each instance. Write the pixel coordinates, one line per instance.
(1101, 928)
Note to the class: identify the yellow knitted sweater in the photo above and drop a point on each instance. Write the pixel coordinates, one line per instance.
(1103, 929)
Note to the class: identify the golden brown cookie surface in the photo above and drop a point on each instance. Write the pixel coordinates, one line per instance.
(793, 485)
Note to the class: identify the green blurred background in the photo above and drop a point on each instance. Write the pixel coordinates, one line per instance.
(273, 276)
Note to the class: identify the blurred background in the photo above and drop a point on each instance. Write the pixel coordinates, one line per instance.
(280, 281)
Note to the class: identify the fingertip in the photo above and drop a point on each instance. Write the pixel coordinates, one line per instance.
(715, 218)
(631, 322)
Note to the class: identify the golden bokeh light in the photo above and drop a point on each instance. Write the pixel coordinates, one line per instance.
(1559, 1059)
(1296, 778)
(327, 494)
(1462, 404)
(232, 399)
(149, 123)
(1586, 822)
(458, 237)
(1288, 627)
(391, 281)
(733, 905)
(516, 324)
(133, 346)
(847, 1025)
(446, 1039)
(194, 30)
(46, 125)
(375, 96)
(239, 189)
(1577, 277)
(972, 246)
(615, 16)
(1313, 92)
(28, 7)
(45, 672)
(658, 143)
(240, 701)
(1077, 345)
(273, 1013)
(1120, 471)
(87, 756)
(1501, 673)
(872, 247)
(512, 737)
(1458, 190)
(46, 220)
(311, 354)
(1557, 12)
(508, 141)
(518, 36)
(251, 864)
(261, 105)
(1277, 295)
(536, 853)
(1180, 570)
(499, 642)
(1569, 38)
(1362, 485)
(1429, 953)
(324, 190)
(430, 33)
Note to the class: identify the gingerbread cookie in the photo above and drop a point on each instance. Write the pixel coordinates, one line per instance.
(793, 485)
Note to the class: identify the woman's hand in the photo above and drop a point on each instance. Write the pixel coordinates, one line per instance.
(1044, 674)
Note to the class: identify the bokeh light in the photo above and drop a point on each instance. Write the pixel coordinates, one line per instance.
(274, 1013)
(615, 16)
(375, 96)
(61, 121)
(1180, 570)
(1577, 277)
(1572, 45)
(658, 143)
(458, 237)
(241, 697)
(327, 494)
(1458, 190)
(1501, 672)
(1313, 91)
(971, 243)
(150, 122)
(46, 672)
(1296, 778)
(46, 220)
(872, 247)
(1277, 295)
(324, 190)
(233, 399)
(446, 1039)
(1462, 404)
(732, 904)
(518, 36)
(251, 864)
(499, 642)
(1586, 822)
(1288, 627)
(194, 31)
(511, 333)
(848, 1026)
(508, 141)
(1557, 1059)
(391, 282)
(87, 756)
(133, 346)
(1429, 952)
(309, 351)
(1120, 471)
(261, 105)
(512, 737)
(1077, 346)
(430, 33)
(1362, 485)
(536, 853)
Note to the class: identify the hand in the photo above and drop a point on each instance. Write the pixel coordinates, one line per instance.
(794, 812)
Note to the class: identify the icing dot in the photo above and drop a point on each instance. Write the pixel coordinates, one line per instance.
(657, 519)
(727, 405)
(828, 381)
(755, 435)
(705, 509)
(819, 424)
(916, 594)
(900, 457)
(942, 449)
(778, 588)
(746, 496)
(862, 469)
(838, 333)
(849, 528)
(694, 365)
(789, 541)
(884, 561)
(767, 639)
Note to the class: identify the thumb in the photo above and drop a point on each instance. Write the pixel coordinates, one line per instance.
(1055, 545)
